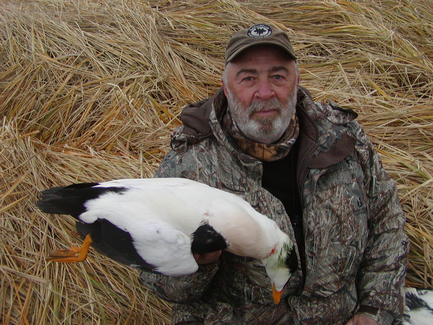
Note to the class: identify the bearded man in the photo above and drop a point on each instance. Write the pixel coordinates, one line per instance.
(309, 167)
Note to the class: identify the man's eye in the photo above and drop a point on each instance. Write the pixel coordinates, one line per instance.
(248, 79)
(277, 77)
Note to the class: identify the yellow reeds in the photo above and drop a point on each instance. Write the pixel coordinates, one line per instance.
(90, 91)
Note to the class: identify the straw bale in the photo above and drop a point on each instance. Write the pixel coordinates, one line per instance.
(91, 90)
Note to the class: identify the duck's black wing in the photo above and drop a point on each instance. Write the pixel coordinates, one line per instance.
(114, 243)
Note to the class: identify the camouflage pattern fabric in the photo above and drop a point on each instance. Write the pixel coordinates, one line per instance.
(355, 244)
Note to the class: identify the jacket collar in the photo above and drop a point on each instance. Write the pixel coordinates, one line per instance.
(195, 118)
(309, 155)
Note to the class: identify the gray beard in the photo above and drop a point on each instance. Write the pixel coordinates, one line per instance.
(267, 129)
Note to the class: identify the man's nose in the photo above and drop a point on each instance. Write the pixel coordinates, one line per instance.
(264, 90)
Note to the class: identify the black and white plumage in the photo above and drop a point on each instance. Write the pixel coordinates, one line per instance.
(418, 307)
(158, 224)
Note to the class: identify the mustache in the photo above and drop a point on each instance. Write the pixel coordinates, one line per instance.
(264, 106)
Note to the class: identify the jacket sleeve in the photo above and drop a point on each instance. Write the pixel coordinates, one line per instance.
(187, 288)
(382, 274)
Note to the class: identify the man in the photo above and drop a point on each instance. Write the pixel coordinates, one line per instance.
(309, 167)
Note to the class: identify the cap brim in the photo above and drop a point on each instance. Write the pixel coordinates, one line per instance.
(247, 46)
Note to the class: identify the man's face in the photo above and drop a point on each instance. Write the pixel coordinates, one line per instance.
(261, 85)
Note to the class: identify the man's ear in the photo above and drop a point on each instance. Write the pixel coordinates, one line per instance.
(298, 79)
(224, 80)
(224, 87)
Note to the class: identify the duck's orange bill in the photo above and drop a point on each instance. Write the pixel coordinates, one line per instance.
(73, 255)
(276, 294)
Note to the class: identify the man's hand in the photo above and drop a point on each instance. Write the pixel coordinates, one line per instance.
(360, 319)
(207, 258)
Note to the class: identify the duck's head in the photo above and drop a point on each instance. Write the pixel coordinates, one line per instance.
(280, 266)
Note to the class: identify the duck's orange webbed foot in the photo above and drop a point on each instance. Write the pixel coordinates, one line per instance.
(73, 255)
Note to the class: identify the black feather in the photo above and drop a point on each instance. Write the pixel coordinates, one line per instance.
(292, 261)
(207, 240)
(415, 302)
(114, 243)
(71, 199)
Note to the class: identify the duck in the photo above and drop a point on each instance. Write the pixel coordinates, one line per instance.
(418, 306)
(158, 224)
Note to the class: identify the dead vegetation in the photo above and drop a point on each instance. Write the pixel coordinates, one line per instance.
(91, 90)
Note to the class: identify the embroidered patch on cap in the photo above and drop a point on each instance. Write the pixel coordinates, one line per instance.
(260, 30)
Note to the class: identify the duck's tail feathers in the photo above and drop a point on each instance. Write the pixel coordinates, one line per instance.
(71, 199)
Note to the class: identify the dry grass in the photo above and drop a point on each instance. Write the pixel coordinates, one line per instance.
(91, 90)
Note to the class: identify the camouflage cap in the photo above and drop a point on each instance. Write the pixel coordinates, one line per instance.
(257, 35)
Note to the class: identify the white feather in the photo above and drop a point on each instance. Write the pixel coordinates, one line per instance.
(421, 312)
(161, 213)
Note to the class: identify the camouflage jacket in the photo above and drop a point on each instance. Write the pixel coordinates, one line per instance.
(355, 245)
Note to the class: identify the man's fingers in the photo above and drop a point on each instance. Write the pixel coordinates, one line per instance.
(207, 258)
